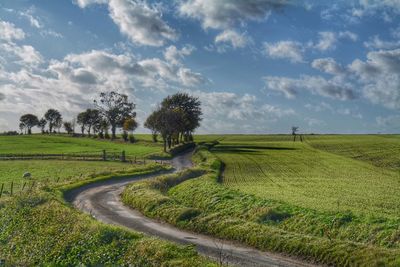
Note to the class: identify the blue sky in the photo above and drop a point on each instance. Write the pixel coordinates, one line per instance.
(258, 66)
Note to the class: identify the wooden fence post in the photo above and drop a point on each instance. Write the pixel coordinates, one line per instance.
(1, 190)
(104, 155)
(123, 159)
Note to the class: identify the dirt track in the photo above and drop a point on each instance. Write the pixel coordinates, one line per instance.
(102, 201)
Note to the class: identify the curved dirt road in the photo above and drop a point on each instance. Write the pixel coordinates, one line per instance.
(102, 201)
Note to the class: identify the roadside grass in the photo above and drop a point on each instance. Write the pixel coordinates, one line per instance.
(40, 230)
(379, 150)
(57, 144)
(332, 237)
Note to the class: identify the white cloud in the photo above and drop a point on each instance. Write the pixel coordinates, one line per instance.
(25, 54)
(226, 14)
(236, 40)
(223, 111)
(85, 3)
(376, 43)
(315, 84)
(380, 75)
(29, 14)
(175, 55)
(328, 40)
(9, 32)
(290, 50)
(140, 22)
(328, 65)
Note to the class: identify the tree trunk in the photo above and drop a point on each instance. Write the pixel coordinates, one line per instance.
(165, 144)
(113, 129)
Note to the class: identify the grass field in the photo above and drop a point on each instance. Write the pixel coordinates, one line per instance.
(301, 175)
(48, 144)
(379, 150)
(13, 170)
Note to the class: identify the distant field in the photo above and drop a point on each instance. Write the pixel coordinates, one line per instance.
(379, 150)
(299, 174)
(65, 144)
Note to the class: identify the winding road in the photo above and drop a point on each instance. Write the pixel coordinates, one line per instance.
(102, 201)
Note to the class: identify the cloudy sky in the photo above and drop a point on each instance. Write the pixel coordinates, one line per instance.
(258, 66)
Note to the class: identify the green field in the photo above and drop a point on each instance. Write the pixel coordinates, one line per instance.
(278, 195)
(13, 170)
(49, 144)
(298, 174)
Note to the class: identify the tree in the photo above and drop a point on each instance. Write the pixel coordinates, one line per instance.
(130, 125)
(294, 132)
(164, 121)
(82, 121)
(190, 108)
(68, 127)
(28, 121)
(93, 118)
(115, 108)
(151, 124)
(53, 118)
(42, 124)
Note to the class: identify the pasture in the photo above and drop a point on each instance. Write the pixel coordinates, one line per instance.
(55, 144)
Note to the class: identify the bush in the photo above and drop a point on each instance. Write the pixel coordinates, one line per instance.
(101, 135)
(107, 136)
(125, 136)
(132, 138)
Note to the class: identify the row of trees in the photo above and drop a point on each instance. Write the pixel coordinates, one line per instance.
(112, 111)
(52, 117)
(175, 119)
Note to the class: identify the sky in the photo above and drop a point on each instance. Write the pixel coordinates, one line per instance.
(257, 66)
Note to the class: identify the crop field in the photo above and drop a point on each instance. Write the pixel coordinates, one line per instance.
(301, 175)
(64, 144)
(379, 150)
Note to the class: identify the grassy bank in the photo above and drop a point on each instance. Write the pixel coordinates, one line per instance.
(340, 238)
(39, 230)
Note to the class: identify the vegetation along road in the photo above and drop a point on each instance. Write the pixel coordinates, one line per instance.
(102, 201)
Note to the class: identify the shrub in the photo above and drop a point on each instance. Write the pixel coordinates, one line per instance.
(101, 135)
(107, 136)
(132, 138)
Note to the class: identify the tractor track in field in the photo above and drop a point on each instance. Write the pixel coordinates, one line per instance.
(102, 201)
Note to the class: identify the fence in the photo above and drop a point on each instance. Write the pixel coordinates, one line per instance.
(91, 156)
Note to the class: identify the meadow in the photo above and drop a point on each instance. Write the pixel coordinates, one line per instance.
(57, 144)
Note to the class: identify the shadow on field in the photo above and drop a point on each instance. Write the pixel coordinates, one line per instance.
(247, 149)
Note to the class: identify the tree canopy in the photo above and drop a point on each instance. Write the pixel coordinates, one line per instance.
(53, 118)
(28, 121)
(115, 108)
